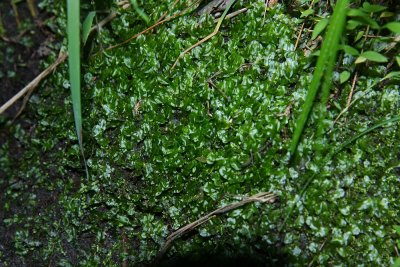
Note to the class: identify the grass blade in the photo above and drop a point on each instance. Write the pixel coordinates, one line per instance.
(139, 11)
(74, 63)
(323, 70)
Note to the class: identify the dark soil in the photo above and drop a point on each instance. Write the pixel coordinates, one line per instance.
(24, 43)
(22, 48)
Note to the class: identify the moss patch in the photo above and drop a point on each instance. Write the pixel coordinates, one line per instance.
(166, 147)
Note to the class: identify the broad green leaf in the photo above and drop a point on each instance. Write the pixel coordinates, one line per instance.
(319, 27)
(398, 60)
(393, 27)
(397, 229)
(307, 12)
(350, 50)
(344, 76)
(374, 56)
(367, 7)
(87, 24)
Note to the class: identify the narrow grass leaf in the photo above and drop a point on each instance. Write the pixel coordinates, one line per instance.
(325, 62)
(393, 75)
(366, 131)
(139, 11)
(87, 24)
(74, 62)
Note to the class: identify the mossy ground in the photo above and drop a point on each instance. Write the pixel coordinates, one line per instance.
(193, 146)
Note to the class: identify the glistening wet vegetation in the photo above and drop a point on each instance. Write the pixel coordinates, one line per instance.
(167, 146)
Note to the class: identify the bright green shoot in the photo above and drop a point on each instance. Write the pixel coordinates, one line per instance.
(74, 62)
(323, 71)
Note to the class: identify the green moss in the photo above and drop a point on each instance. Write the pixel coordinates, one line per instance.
(192, 147)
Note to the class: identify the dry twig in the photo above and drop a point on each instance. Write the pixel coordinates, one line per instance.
(349, 98)
(298, 36)
(33, 84)
(262, 197)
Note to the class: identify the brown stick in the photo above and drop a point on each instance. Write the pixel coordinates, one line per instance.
(298, 37)
(234, 14)
(260, 197)
(33, 84)
(351, 91)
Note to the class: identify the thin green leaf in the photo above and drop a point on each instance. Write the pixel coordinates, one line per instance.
(393, 27)
(366, 131)
(87, 24)
(325, 64)
(139, 11)
(357, 13)
(319, 27)
(393, 75)
(344, 76)
(374, 56)
(74, 64)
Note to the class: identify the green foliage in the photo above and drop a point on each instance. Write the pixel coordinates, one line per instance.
(167, 147)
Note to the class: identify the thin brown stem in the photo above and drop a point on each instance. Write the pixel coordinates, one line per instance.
(298, 36)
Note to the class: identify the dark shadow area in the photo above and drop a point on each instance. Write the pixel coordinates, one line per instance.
(222, 258)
